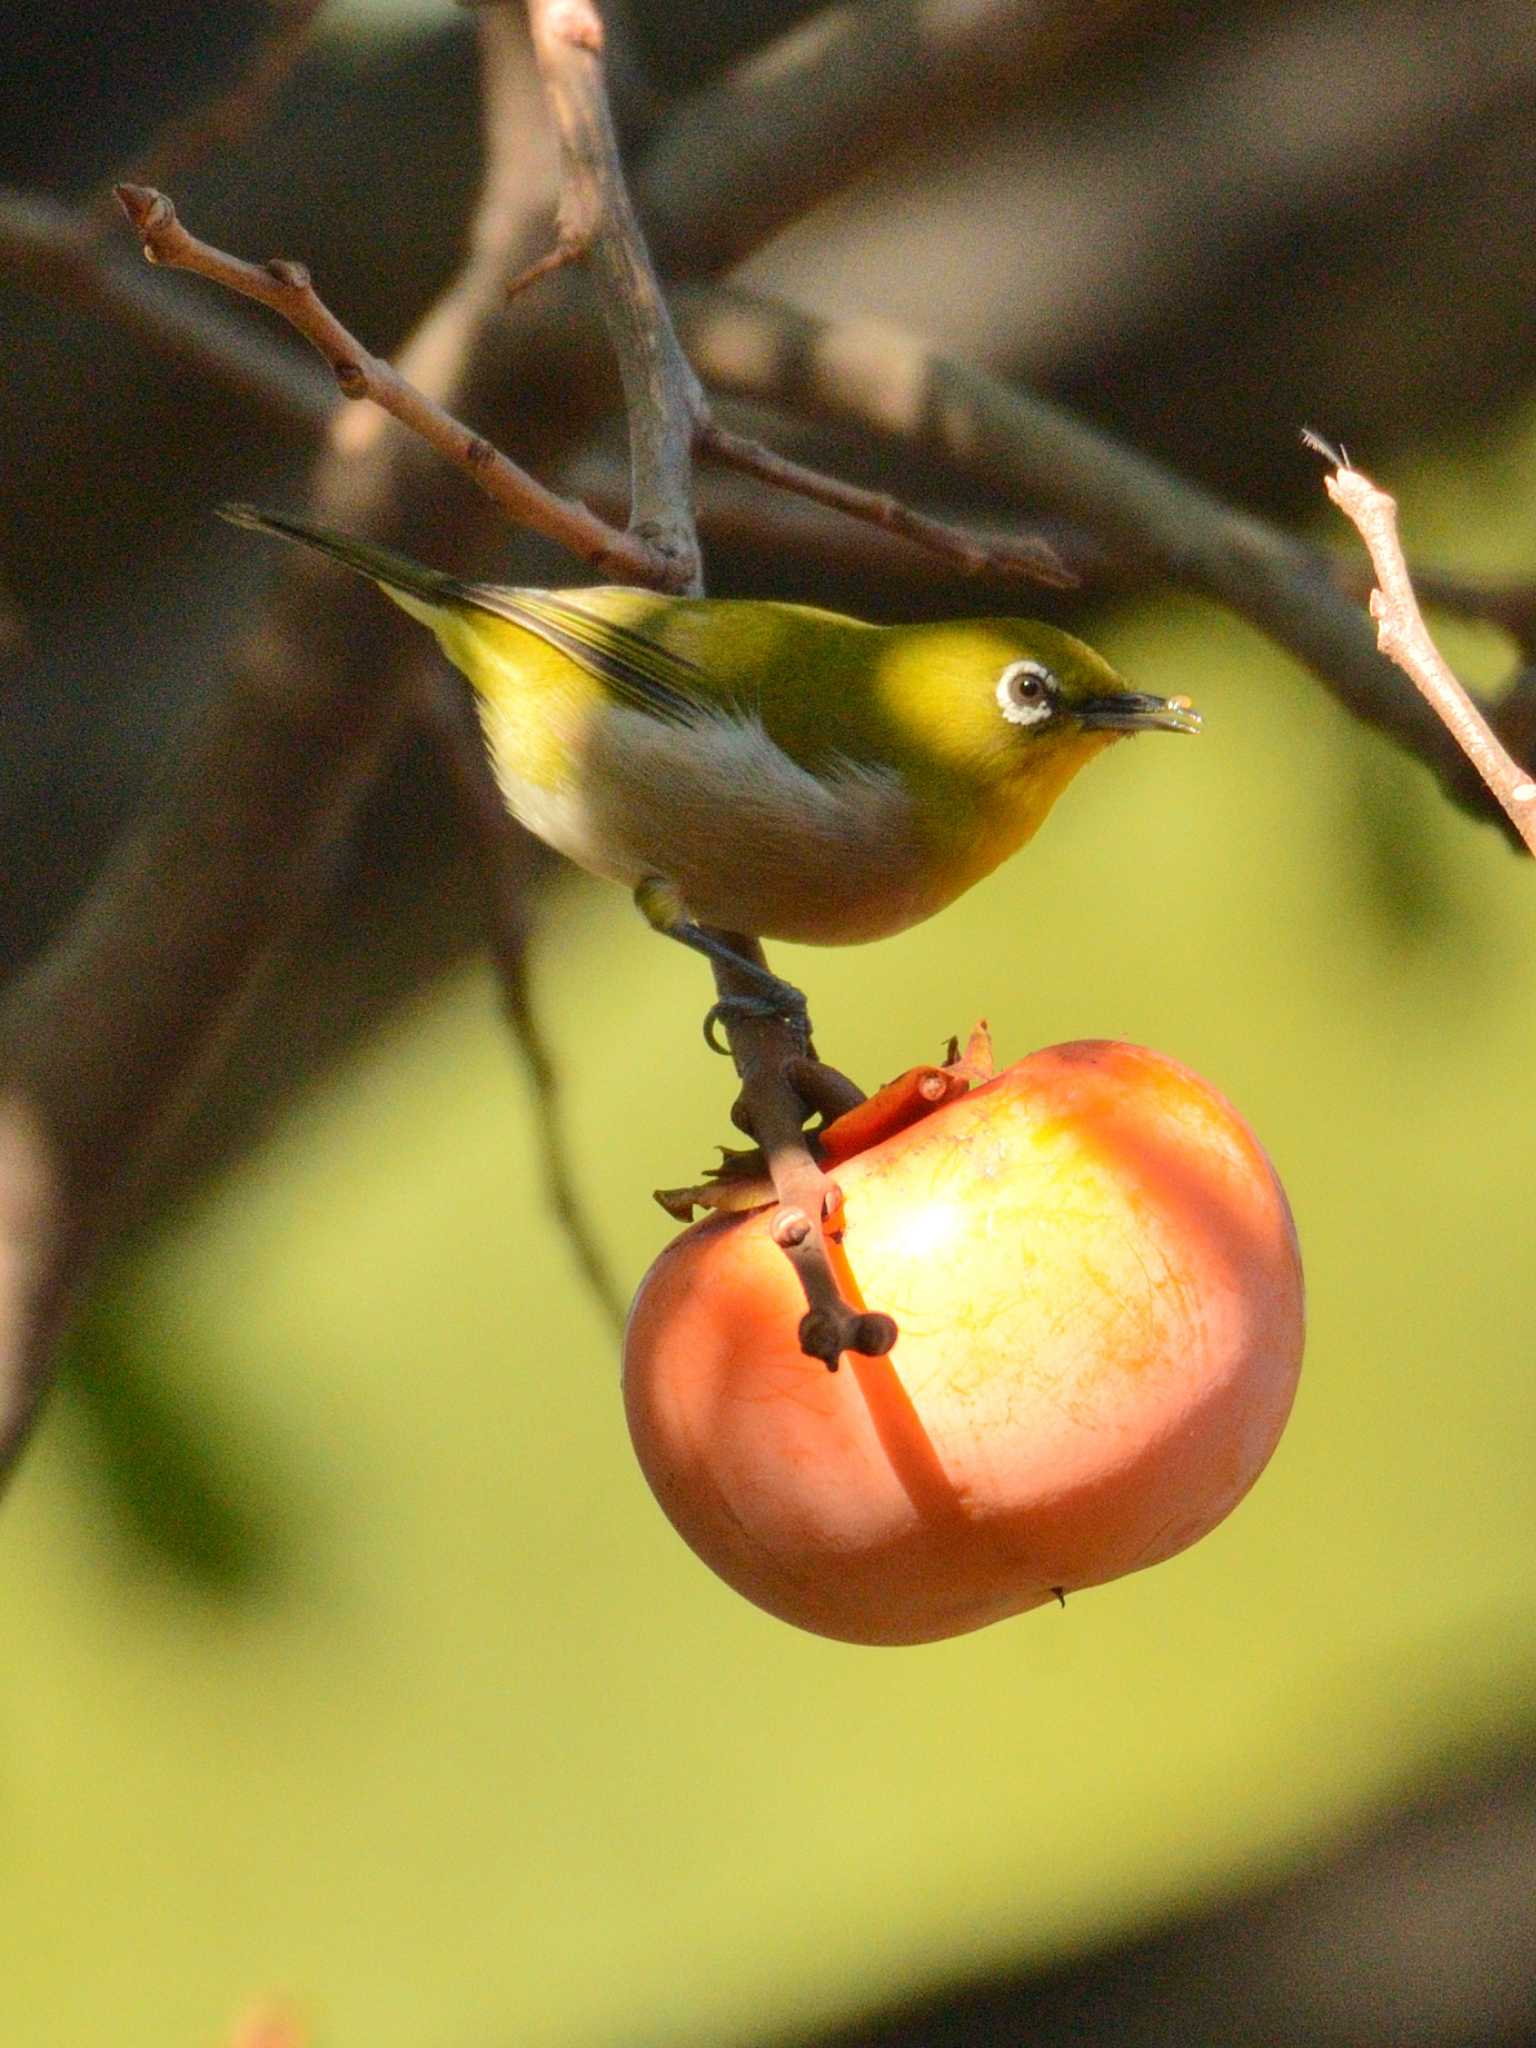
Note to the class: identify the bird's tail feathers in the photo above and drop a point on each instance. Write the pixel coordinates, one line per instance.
(397, 573)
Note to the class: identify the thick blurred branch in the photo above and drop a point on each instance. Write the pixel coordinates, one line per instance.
(102, 1043)
(230, 116)
(814, 109)
(1153, 523)
(1066, 233)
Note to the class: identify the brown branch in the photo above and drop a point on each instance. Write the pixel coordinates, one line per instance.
(502, 859)
(568, 249)
(805, 539)
(811, 110)
(973, 554)
(1146, 523)
(1151, 522)
(663, 403)
(667, 415)
(1405, 639)
(287, 289)
(46, 245)
(102, 1042)
(54, 250)
(1510, 604)
(185, 142)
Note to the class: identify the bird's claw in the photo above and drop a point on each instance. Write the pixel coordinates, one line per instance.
(786, 1003)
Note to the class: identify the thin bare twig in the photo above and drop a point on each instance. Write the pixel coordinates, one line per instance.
(567, 249)
(663, 402)
(287, 289)
(1405, 639)
(1151, 522)
(973, 554)
(1143, 520)
(1509, 604)
(804, 539)
(54, 250)
(503, 875)
(51, 248)
(668, 417)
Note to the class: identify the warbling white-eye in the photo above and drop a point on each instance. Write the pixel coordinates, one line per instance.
(763, 768)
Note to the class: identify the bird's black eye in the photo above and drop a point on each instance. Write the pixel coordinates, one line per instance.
(1026, 692)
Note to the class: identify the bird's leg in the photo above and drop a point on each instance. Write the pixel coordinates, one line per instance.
(662, 908)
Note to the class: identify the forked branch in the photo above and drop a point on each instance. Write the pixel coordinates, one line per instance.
(288, 290)
(667, 415)
(663, 402)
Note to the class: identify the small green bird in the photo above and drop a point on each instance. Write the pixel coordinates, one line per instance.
(767, 769)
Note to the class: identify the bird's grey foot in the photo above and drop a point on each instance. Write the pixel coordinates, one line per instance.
(766, 993)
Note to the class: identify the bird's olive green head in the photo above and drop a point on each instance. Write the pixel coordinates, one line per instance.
(1013, 703)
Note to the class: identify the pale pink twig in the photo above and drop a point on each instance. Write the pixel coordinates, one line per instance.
(1404, 638)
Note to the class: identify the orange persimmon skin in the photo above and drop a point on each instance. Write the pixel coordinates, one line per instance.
(1096, 1280)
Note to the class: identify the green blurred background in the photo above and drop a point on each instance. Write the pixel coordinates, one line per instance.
(347, 1657)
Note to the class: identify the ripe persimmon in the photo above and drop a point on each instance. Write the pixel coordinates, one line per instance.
(1095, 1277)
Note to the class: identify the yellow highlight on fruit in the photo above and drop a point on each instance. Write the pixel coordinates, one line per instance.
(1096, 1279)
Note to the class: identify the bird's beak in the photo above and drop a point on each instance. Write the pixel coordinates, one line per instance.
(1134, 711)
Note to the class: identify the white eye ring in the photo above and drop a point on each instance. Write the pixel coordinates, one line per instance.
(1026, 692)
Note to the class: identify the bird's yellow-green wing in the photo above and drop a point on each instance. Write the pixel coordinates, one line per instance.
(632, 667)
(672, 658)
(802, 673)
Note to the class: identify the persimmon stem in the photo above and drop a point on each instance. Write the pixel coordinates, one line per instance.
(769, 1055)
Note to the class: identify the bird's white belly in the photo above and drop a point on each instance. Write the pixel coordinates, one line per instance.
(751, 840)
